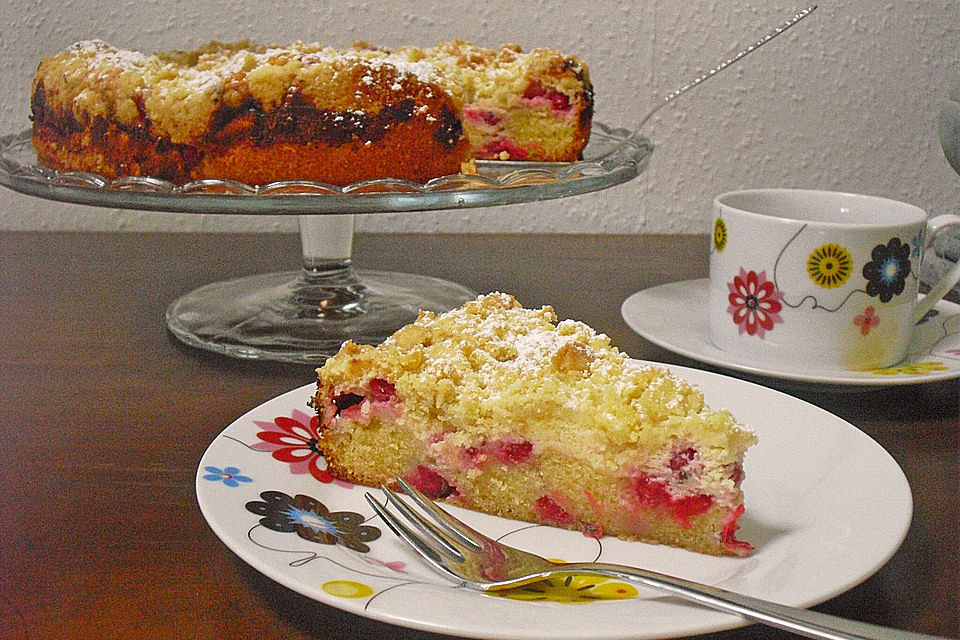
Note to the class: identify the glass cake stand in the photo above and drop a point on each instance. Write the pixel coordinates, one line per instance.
(304, 316)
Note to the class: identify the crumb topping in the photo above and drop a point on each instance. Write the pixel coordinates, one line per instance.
(492, 367)
(176, 94)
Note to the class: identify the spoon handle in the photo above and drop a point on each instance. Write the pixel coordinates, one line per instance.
(800, 15)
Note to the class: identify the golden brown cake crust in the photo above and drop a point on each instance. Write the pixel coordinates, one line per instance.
(257, 114)
(114, 153)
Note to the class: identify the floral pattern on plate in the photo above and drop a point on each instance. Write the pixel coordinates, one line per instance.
(323, 540)
(291, 441)
(312, 520)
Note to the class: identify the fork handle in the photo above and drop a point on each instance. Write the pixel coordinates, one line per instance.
(803, 622)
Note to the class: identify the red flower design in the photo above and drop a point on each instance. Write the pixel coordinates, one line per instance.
(294, 440)
(754, 303)
(867, 320)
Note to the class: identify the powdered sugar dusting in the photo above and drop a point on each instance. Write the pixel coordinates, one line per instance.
(492, 344)
(100, 51)
(209, 70)
(423, 71)
(507, 342)
(537, 348)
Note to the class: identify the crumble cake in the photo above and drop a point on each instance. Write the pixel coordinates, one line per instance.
(508, 411)
(301, 111)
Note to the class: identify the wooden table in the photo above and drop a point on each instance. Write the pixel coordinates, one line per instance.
(104, 416)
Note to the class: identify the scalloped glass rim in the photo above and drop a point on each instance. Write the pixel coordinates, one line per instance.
(496, 183)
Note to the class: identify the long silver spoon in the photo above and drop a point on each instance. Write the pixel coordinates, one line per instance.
(800, 15)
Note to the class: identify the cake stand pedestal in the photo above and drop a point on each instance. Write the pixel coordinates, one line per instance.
(304, 316)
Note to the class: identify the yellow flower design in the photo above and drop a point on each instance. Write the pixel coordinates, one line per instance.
(915, 369)
(829, 265)
(347, 589)
(719, 234)
(572, 589)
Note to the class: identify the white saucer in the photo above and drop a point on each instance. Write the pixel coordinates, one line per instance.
(673, 316)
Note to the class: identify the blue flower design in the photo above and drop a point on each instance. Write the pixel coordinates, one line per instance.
(311, 520)
(229, 476)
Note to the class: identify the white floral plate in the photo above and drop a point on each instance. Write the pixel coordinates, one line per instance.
(673, 316)
(826, 507)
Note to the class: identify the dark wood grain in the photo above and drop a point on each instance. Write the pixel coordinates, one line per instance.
(104, 417)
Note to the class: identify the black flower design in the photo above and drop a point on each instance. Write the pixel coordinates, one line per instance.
(311, 520)
(887, 272)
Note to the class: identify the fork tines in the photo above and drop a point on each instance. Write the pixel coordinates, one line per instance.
(455, 528)
(441, 539)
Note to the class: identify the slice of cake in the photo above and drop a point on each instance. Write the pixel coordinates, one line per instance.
(505, 410)
(258, 114)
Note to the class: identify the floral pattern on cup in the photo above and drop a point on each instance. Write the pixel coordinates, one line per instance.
(829, 265)
(754, 303)
(720, 235)
(888, 269)
(867, 320)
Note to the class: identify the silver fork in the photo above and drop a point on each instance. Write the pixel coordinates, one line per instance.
(459, 552)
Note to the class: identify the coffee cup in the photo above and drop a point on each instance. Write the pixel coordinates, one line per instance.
(819, 280)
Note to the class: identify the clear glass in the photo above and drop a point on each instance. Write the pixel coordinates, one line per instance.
(304, 316)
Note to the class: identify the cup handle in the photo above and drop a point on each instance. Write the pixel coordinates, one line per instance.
(948, 281)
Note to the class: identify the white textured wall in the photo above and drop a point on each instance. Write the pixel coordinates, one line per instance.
(847, 100)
